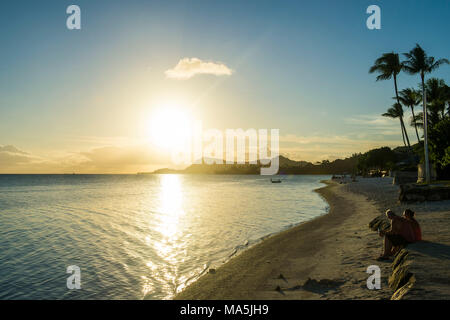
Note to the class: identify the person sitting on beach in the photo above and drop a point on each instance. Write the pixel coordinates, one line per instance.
(409, 215)
(399, 235)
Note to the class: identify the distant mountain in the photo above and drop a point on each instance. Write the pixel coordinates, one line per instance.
(286, 166)
(285, 162)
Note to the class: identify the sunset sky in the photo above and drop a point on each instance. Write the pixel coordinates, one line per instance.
(84, 100)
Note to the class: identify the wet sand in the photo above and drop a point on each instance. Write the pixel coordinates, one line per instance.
(325, 258)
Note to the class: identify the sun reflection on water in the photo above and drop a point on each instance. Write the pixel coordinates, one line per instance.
(171, 205)
(170, 209)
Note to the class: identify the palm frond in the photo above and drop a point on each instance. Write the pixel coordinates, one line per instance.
(437, 64)
(396, 111)
(419, 62)
(387, 66)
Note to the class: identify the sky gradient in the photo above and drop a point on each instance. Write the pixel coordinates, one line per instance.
(81, 100)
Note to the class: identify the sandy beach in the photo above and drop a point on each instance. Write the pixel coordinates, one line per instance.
(327, 258)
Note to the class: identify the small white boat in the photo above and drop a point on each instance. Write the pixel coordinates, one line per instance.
(275, 180)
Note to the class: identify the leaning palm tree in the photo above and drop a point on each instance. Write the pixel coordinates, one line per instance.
(396, 111)
(418, 121)
(410, 98)
(389, 66)
(419, 62)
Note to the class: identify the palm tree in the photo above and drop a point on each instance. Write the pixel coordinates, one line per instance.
(389, 66)
(396, 111)
(419, 62)
(411, 98)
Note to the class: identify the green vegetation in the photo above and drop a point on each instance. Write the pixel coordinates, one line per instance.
(440, 147)
(381, 159)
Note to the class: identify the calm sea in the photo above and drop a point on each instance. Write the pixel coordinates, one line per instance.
(136, 236)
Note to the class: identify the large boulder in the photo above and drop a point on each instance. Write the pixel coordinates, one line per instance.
(402, 177)
(380, 223)
(416, 193)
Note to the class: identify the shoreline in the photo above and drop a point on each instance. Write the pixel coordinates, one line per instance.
(324, 258)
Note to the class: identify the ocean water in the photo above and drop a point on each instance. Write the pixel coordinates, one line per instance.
(136, 236)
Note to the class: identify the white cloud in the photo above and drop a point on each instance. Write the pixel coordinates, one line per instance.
(382, 126)
(187, 68)
(372, 120)
(10, 155)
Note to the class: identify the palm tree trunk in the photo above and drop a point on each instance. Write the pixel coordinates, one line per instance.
(402, 126)
(415, 124)
(402, 123)
(401, 120)
(425, 130)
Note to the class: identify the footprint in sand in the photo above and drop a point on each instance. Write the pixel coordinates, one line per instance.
(317, 286)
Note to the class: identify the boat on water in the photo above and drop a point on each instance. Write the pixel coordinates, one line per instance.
(275, 180)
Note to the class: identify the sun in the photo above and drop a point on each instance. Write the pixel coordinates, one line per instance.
(170, 127)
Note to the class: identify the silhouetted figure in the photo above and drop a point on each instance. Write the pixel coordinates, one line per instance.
(399, 235)
(409, 215)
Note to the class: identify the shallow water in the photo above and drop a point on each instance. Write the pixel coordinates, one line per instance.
(136, 236)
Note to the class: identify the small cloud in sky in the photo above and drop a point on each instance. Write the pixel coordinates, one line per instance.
(371, 120)
(187, 68)
(11, 149)
(10, 156)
